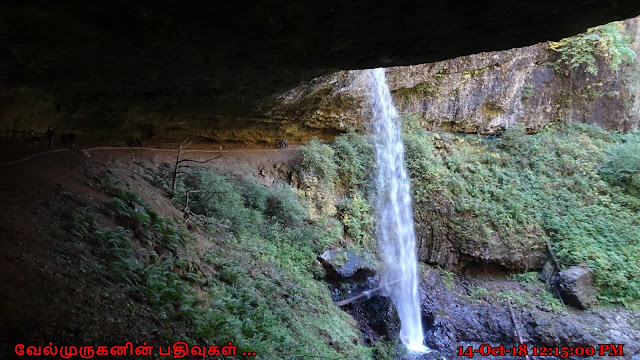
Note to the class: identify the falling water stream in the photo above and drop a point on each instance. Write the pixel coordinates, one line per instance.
(395, 231)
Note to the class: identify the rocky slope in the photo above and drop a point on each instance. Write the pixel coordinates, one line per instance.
(61, 283)
(468, 310)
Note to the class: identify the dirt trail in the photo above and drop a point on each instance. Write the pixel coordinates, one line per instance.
(15, 157)
(31, 157)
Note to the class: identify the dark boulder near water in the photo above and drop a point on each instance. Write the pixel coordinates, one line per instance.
(576, 286)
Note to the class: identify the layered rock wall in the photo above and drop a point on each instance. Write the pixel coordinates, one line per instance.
(482, 93)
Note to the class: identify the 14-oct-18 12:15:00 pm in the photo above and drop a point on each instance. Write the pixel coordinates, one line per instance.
(556, 351)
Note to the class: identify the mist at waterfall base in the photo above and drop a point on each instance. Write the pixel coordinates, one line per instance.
(395, 232)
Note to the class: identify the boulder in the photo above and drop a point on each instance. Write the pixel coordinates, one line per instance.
(346, 264)
(576, 287)
(379, 320)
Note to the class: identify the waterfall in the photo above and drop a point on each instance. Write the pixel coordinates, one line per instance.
(396, 237)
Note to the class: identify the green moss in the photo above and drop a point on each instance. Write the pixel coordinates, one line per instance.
(447, 278)
(425, 89)
(442, 72)
(491, 109)
(475, 72)
(520, 299)
(607, 42)
(478, 292)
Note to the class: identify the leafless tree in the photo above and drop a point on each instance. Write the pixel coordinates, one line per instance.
(181, 162)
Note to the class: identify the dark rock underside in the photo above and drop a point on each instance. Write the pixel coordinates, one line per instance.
(97, 66)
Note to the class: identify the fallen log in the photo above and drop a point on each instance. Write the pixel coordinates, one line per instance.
(553, 256)
(558, 269)
(365, 294)
(515, 325)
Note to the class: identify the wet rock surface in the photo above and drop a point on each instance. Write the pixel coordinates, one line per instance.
(455, 315)
(451, 320)
(379, 321)
(377, 318)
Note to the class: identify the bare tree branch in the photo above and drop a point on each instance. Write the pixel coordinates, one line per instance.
(198, 161)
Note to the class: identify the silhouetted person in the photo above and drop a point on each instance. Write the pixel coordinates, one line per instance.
(35, 140)
(50, 135)
(135, 142)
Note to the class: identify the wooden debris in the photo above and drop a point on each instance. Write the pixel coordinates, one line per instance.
(556, 264)
(515, 325)
(365, 294)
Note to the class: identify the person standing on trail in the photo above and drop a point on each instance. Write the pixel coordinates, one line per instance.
(34, 139)
(50, 135)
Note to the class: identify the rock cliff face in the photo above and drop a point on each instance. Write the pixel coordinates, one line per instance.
(482, 93)
(202, 68)
(453, 242)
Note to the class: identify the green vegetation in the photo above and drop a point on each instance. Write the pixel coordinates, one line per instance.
(347, 165)
(318, 162)
(575, 185)
(478, 292)
(258, 289)
(534, 296)
(354, 158)
(447, 278)
(159, 280)
(520, 299)
(467, 74)
(528, 91)
(253, 278)
(319, 172)
(388, 350)
(622, 168)
(357, 217)
(550, 302)
(251, 275)
(607, 42)
(411, 123)
(264, 295)
(425, 89)
(528, 277)
(528, 187)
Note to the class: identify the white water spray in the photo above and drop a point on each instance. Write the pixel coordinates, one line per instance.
(396, 235)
